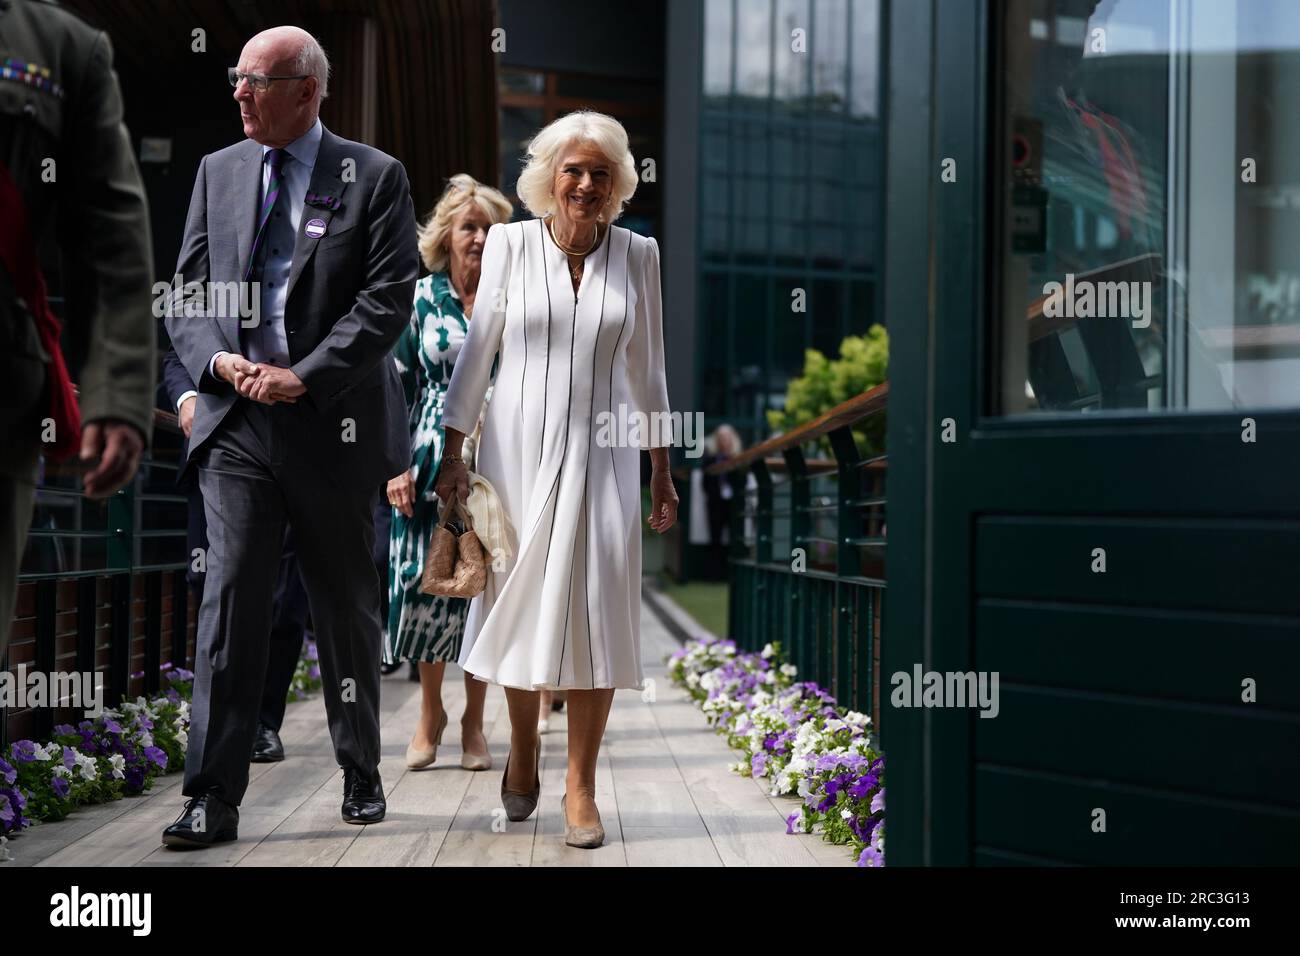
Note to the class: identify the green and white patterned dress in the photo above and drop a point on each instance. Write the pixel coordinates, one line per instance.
(423, 627)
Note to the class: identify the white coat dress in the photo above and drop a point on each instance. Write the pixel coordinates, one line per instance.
(580, 377)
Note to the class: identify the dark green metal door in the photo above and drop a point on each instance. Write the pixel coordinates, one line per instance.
(1096, 501)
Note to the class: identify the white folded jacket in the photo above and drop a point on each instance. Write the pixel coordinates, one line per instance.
(491, 523)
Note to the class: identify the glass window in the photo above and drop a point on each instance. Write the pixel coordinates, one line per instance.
(526, 82)
(864, 88)
(719, 35)
(518, 125)
(753, 47)
(1150, 206)
(791, 65)
(830, 52)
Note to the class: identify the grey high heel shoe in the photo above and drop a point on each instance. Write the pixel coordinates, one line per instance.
(585, 838)
(520, 806)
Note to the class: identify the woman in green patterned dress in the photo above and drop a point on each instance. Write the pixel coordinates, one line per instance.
(423, 628)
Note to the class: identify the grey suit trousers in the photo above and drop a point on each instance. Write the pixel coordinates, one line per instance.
(256, 478)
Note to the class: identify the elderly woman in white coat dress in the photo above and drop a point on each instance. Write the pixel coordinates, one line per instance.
(572, 305)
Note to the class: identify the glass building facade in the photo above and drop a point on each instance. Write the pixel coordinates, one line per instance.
(790, 202)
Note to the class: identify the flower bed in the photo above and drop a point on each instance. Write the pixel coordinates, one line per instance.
(117, 754)
(306, 677)
(793, 734)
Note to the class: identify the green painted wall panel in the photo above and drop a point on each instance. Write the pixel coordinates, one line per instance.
(1052, 817)
(1185, 655)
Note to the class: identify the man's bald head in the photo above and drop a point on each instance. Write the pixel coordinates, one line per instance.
(290, 106)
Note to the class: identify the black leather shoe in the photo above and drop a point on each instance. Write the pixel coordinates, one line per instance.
(267, 747)
(204, 821)
(363, 797)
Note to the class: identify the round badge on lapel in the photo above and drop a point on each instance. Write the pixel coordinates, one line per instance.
(315, 228)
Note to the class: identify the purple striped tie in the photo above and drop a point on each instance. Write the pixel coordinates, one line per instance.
(275, 158)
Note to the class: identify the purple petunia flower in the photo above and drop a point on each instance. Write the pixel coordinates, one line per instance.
(758, 764)
(23, 751)
(868, 828)
(878, 801)
(789, 822)
(871, 857)
(863, 786)
(157, 755)
(112, 726)
(69, 758)
(60, 787)
(7, 773)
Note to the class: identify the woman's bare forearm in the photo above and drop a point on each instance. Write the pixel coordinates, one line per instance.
(452, 441)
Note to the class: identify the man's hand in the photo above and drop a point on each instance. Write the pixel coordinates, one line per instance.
(235, 369)
(118, 447)
(269, 384)
(401, 493)
(186, 414)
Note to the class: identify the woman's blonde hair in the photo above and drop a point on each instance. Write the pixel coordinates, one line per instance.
(462, 189)
(546, 150)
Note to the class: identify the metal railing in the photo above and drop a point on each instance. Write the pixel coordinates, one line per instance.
(102, 586)
(808, 550)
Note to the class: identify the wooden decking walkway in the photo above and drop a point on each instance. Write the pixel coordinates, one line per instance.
(663, 787)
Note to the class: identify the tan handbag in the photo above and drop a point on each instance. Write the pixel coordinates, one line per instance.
(456, 564)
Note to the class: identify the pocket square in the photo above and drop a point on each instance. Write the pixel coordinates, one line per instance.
(322, 201)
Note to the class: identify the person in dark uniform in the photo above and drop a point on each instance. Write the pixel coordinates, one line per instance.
(66, 159)
(289, 617)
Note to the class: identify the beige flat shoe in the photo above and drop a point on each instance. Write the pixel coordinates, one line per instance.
(419, 759)
(584, 838)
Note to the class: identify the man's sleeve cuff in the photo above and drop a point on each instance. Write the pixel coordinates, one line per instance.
(185, 396)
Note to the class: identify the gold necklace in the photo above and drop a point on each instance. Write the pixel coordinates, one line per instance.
(575, 271)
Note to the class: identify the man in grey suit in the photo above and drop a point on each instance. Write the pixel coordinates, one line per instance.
(300, 415)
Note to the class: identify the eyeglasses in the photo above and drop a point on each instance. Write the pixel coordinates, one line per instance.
(256, 81)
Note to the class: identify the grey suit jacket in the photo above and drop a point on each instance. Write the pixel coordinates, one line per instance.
(349, 299)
